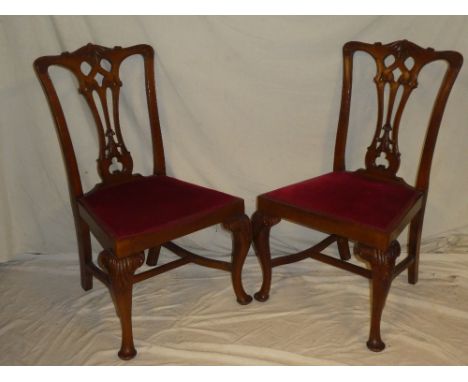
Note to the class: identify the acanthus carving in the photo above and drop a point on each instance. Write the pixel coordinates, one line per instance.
(381, 261)
(120, 270)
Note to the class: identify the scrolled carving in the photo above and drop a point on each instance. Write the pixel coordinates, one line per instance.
(241, 229)
(384, 260)
(398, 66)
(120, 270)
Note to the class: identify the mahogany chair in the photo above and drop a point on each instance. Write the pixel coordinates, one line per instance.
(370, 206)
(129, 213)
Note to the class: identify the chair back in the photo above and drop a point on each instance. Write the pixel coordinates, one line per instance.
(398, 65)
(97, 69)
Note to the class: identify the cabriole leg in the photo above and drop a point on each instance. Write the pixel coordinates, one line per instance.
(121, 271)
(382, 265)
(261, 226)
(241, 238)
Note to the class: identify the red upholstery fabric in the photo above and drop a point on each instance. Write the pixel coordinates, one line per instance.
(351, 197)
(151, 203)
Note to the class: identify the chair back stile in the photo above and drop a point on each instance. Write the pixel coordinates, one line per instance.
(96, 69)
(398, 65)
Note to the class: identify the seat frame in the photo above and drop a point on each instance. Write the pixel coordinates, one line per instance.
(379, 248)
(120, 259)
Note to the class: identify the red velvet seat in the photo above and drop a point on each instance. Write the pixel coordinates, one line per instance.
(349, 197)
(153, 203)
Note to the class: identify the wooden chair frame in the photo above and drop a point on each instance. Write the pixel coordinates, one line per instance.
(120, 259)
(380, 249)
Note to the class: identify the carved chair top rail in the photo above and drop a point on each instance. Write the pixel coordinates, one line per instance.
(398, 65)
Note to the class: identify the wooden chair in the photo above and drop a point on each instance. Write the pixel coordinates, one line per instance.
(369, 206)
(129, 213)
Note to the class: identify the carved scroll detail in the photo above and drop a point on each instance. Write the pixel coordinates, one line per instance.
(386, 259)
(120, 270)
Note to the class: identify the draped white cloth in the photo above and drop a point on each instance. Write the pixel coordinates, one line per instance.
(316, 315)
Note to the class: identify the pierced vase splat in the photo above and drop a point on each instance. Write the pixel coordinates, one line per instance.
(398, 66)
(99, 83)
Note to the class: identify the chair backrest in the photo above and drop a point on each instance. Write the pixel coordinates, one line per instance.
(97, 70)
(398, 65)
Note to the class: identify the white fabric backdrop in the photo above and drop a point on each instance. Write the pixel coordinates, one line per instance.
(247, 104)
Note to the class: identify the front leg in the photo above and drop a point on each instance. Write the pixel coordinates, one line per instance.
(382, 266)
(241, 239)
(261, 226)
(121, 271)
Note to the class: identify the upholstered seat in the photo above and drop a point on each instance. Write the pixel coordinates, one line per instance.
(150, 204)
(349, 197)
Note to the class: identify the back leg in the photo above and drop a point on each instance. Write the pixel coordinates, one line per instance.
(85, 254)
(343, 248)
(414, 244)
(153, 256)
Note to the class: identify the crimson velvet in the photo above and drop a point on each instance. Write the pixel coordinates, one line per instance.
(351, 197)
(149, 204)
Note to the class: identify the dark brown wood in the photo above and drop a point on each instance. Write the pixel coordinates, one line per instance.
(196, 259)
(153, 256)
(261, 226)
(414, 245)
(241, 230)
(343, 248)
(161, 269)
(121, 272)
(97, 72)
(383, 264)
(341, 264)
(288, 259)
(398, 65)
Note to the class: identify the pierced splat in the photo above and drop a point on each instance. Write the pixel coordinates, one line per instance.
(398, 66)
(97, 71)
(99, 83)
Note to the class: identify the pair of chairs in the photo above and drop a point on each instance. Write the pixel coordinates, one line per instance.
(133, 216)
